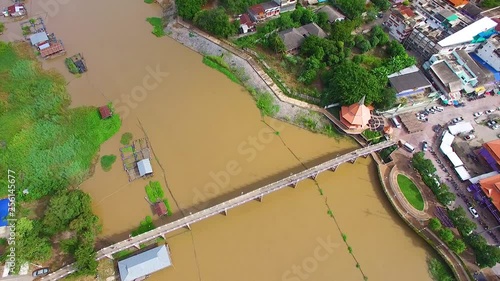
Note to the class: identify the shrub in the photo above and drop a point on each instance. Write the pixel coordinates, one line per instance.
(126, 138)
(435, 224)
(107, 161)
(439, 270)
(149, 1)
(71, 66)
(2, 27)
(145, 226)
(157, 24)
(265, 103)
(167, 205)
(220, 65)
(154, 191)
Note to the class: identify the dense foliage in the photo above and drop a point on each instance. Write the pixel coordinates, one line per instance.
(187, 9)
(144, 226)
(216, 21)
(50, 147)
(426, 169)
(154, 191)
(351, 8)
(440, 271)
(35, 122)
(126, 138)
(488, 4)
(238, 6)
(486, 255)
(107, 162)
(157, 24)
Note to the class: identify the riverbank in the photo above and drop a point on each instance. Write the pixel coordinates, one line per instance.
(293, 111)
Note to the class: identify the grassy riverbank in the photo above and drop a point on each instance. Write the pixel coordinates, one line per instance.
(411, 192)
(50, 148)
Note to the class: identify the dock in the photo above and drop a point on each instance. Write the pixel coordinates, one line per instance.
(131, 154)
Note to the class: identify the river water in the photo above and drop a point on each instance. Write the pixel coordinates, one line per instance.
(210, 144)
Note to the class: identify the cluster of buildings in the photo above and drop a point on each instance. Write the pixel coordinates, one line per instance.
(456, 42)
(17, 10)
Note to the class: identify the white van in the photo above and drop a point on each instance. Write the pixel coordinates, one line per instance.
(395, 122)
(409, 147)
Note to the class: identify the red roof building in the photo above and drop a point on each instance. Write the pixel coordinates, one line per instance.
(105, 112)
(355, 116)
(160, 208)
(52, 50)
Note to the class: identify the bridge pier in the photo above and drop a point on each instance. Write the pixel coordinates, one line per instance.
(110, 257)
(294, 184)
(314, 176)
(137, 246)
(260, 198)
(353, 160)
(334, 168)
(365, 156)
(188, 226)
(225, 212)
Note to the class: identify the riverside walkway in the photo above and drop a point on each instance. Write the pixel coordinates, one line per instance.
(223, 208)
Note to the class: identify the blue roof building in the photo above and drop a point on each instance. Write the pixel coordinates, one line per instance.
(145, 263)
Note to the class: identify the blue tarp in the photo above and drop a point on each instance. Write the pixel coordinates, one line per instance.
(4, 211)
(486, 65)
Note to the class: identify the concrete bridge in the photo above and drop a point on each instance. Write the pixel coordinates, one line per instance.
(223, 208)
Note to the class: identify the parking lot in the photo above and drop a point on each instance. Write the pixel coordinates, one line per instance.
(462, 147)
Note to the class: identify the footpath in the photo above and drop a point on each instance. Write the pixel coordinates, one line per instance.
(416, 220)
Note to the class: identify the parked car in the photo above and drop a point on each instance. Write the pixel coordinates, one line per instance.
(473, 212)
(439, 108)
(477, 114)
(41, 272)
(489, 111)
(469, 137)
(456, 120)
(491, 123)
(424, 146)
(494, 127)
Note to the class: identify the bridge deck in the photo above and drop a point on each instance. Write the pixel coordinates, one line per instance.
(222, 207)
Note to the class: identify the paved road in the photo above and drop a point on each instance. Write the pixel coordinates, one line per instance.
(225, 206)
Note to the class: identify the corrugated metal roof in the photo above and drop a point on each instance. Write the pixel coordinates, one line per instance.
(144, 263)
(38, 38)
(144, 167)
(467, 34)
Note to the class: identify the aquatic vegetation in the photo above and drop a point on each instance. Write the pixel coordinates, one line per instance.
(157, 24)
(126, 138)
(107, 161)
(144, 226)
(154, 191)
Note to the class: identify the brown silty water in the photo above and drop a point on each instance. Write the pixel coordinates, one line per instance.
(212, 144)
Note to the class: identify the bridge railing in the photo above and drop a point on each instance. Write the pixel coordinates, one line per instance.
(217, 209)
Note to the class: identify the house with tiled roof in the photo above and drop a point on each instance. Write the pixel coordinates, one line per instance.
(491, 188)
(458, 3)
(356, 116)
(294, 37)
(491, 153)
(263, 11)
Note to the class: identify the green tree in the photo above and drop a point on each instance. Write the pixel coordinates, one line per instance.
(308, 16)
(364, 45)
(187, 9)
(446, 235)
(215, 21)
(435, 225)
(457, 246)
(297, 14)
(63, 208)
(422, 164)
(383, 5)
(285, 21)
(30, 245)
(342, 32)
(348, 82)
(308, 76)
(351, 8)
(394, 49)
(275, 43)
(322, 21)
(488, 4)
(85, 260)
(387, 100)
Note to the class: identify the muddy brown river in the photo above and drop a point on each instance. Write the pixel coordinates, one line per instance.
(210, 143)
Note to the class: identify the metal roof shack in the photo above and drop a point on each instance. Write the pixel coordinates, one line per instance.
(105, 112)
(144, 167)
(145, 263)
(462, 173)
(409, 81)
(160, 208)
(37, 38)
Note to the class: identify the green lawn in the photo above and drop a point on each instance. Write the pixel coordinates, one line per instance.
(411, 192)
